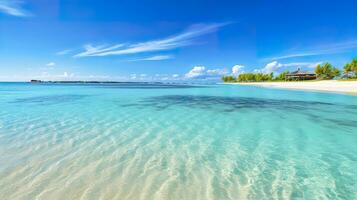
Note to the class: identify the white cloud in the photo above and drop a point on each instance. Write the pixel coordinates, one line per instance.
(275, 66)
(164, 77)
(50, 64)
(155, 58)
(67, 75)
(45, 75)
(271, 67)
(13, 7)
(196, 71)
(64, 52)
(200, 72)
(302, 64)
(257, 71)
(237, 69)
(133, 76)
(215, 72)
(173, 42)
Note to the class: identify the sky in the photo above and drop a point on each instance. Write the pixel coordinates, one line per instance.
(173, 40)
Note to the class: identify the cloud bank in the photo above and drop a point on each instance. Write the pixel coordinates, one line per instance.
(200, 72)
(277, 67)
(237, 69)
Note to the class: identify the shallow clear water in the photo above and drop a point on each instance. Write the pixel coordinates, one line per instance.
(137, 141)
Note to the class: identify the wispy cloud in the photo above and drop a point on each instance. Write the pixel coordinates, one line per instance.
(64, 52)
(321, 50)
(13, 7)
(296, 55)
(155, 58)
(51, 64)
(91, 50)
(183, 39)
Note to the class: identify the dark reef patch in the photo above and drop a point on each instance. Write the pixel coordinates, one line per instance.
(236, 104)
(48, 100)
(227, 104)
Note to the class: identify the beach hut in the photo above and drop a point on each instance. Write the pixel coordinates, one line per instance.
(300, 75)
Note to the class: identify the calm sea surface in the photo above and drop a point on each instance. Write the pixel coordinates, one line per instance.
(185, 142)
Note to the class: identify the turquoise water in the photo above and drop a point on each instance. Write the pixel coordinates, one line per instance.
(140, 141)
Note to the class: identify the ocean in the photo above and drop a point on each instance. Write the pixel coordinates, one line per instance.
(175, 141)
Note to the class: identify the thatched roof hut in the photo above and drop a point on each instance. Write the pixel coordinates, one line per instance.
(300, 75)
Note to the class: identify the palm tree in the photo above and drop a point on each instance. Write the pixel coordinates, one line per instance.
(281, 76)
(351, 68)
(228, 79)
(327, 71)
(318, 70)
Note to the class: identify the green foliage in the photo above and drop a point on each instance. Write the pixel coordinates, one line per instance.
(351, 68)
(254, 77)
(335, 72)
(318, 70)
(327, 71)
(281, 76)
(228, 79)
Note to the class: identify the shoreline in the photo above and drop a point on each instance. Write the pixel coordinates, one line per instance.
(347, 87)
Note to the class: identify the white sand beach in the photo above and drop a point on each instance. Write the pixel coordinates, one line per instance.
(327, 86)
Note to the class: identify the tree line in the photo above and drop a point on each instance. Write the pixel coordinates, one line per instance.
(255, 77)
(323, 72)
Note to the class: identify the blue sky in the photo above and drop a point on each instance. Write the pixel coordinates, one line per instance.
(170, 40)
